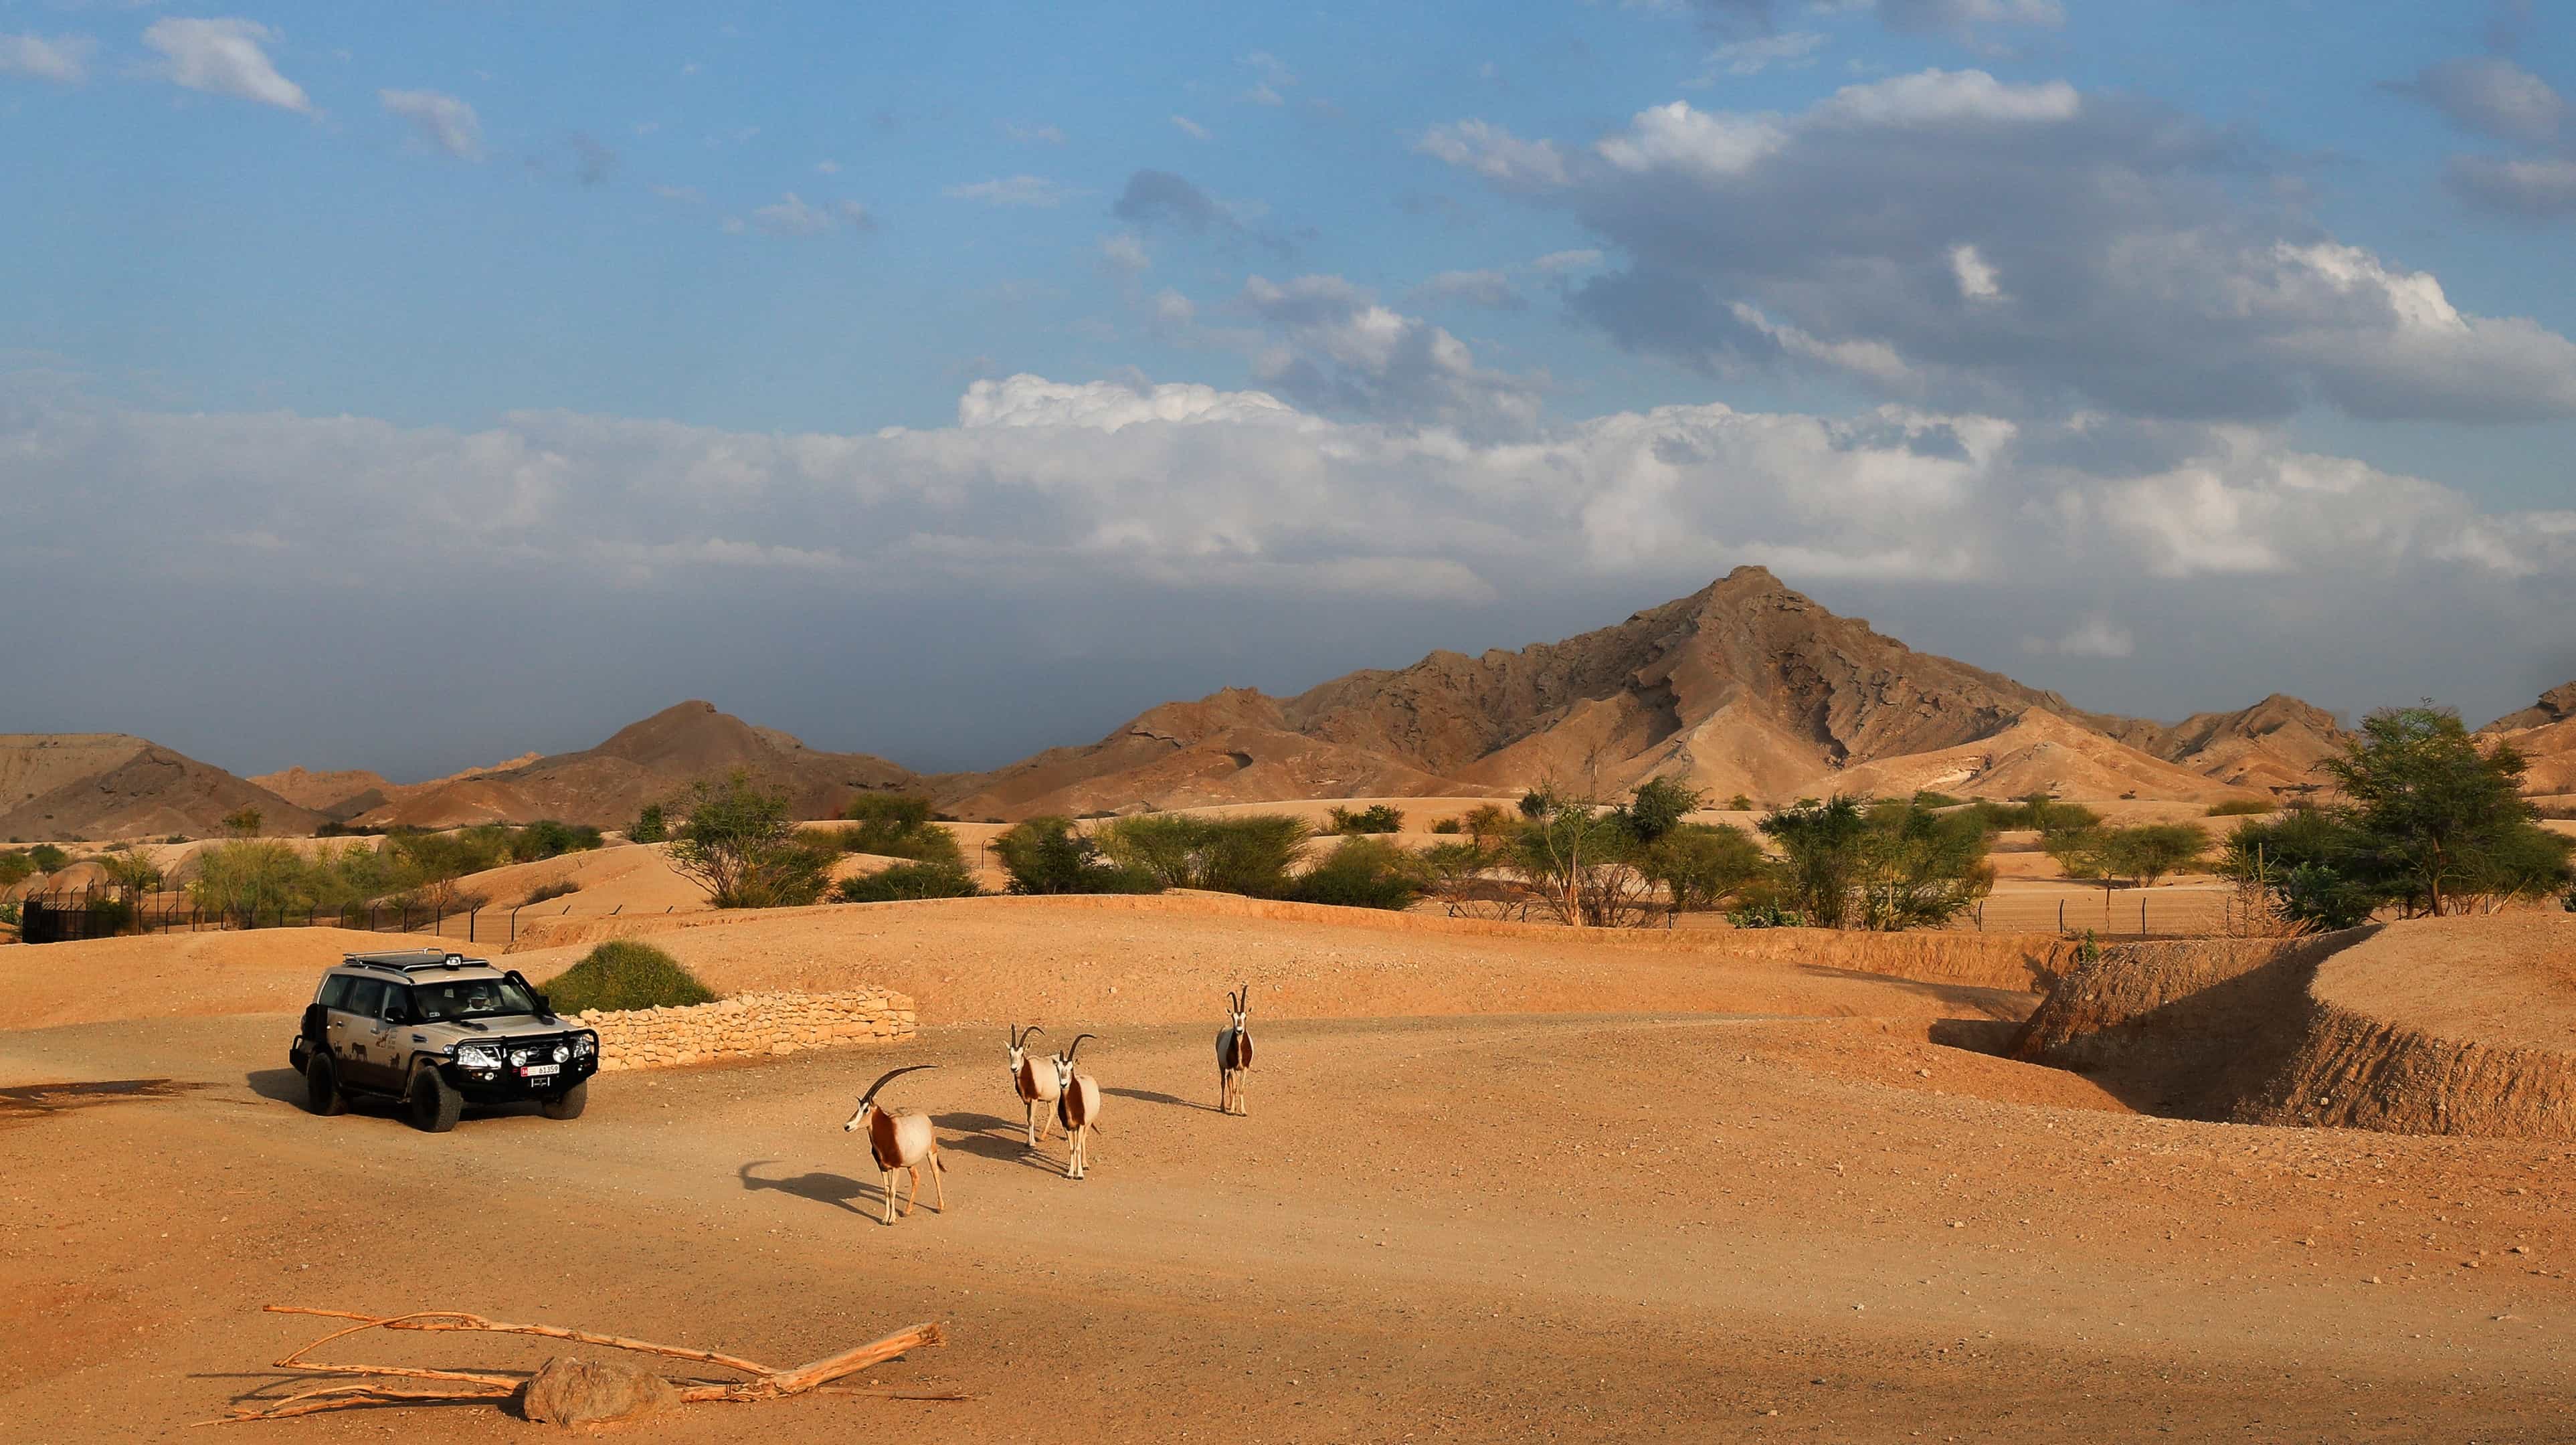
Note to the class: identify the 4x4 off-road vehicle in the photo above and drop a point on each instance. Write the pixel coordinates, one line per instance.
(439, 1031)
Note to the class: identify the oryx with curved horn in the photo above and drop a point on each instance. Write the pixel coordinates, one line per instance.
(901, 1143)
(1234, 1054)
(1034, 1081)
(1077, 1108)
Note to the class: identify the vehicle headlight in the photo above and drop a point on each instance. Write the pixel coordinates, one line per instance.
(521, 1056)
(585, 1045)
(562, 1053)
(475, 1056)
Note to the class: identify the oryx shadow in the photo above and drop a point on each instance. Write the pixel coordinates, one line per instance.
(1147, 1096)
(988, 1136)
(837, 1190)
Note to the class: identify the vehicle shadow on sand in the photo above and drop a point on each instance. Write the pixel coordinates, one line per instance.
(285, 1086)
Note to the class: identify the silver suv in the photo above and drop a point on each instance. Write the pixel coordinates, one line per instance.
(438, 1031)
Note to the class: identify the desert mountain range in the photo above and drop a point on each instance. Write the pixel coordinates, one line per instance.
(1744, 687)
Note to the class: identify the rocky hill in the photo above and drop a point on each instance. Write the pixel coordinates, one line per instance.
(643, 763)
(2545, 734)
(2276, 743)
(57, 786)
(1742, 687)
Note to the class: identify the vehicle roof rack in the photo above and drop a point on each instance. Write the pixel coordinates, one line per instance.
(412, 960)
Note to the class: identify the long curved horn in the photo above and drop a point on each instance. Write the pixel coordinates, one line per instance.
(1016, 1040)
(892, 1074)
(1077, 1047)
(1032, 1031)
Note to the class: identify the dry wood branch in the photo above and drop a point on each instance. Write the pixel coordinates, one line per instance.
(765, 1384)
(458, 1320)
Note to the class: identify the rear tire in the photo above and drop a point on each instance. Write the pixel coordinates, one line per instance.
(568, 1104)
(435, 1105)
(322, 1088)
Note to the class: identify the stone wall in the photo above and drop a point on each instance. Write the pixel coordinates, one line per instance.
(751, 1025)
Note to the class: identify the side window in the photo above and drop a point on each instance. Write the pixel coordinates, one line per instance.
(366, 997)
(397, 1004)
(335, 991)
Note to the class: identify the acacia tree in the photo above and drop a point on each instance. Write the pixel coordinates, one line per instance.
(2438, 822)
(1886, 866)
(737, 841)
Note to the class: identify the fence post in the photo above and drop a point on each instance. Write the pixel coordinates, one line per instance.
(2061, 915)
(470, 915)
(514, 923)
(2142, 915)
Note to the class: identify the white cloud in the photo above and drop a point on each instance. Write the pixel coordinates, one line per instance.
(441, 122)
(1274, 78)
(793, 215)
(1976, 279)
(1192, 486)
(1032, 134)
(1557, 263)
(2094, 636)
(1882, 231)
(1191, 128)
(2493, 96)
(827, 167)
(2532, 189)
(1020, 190)
(63, 59)
(1790, 49)
(1124, 253)
(223, 57)
(1487, 288)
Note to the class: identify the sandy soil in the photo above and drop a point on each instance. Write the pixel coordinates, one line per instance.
(1660, 1226)
(2505, 981)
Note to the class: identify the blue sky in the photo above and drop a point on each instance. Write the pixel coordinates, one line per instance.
(505, 371)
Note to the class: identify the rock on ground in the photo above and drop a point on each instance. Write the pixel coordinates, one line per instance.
(568, 1390)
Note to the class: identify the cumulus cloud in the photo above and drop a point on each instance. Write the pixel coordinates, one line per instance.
(1190, 128)
(1488, 288)
(1333, 347)
(2492, 96)
(1960, 20)
(62, 59)
(2538, 189)
(1790, 50)
(2094, 636)
(223, 57)
(793, 215)
(441, 122)
(1020, 190)
(1966, 242)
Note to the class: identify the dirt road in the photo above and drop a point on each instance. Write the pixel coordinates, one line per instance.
(1682, 1227)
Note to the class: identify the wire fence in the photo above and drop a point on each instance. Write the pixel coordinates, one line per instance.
(75, 914)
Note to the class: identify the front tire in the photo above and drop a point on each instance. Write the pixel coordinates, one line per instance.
(322, 1088)
(568, 1104)
(435, 1104)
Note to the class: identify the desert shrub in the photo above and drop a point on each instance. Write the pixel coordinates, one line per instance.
(1740, 804)
(1362, 873)
(650, 826)
(2242, 808)
(335, 829)
(1927, 798)
(1048, 855)
(908, 881)
(1702, 866)
(1376, 818)
(550, 892)
(1490, 825)
(48, 858)
(8, 912)
(623, 974)
(243, 822)
(1765, 915)
(1656, 808)
(110, 916)
(547, 838)
(737, 842)
(1448, 827)
(1881, 866)
(895, 825)
(176, 838)
(15, 867)
(1251, 854)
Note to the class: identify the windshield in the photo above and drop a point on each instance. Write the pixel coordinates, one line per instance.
(469, 998)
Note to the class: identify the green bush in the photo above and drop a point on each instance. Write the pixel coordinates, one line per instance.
(650, 826)
(1740, 804)
(1047, 855)
(1376, 818)
(894, 825)
(1362, 873)
(2242, 808)
(906, 881)
(1448, 826)
(15, 867)
(1766, 915)
(551, 891)
(1700, 866)
(47, 857)
(1927, 798)
(623, 974)
(547, 838)
(1251, 854)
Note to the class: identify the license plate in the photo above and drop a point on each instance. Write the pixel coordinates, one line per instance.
(538, 1071)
